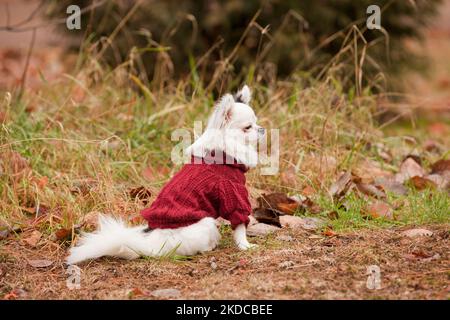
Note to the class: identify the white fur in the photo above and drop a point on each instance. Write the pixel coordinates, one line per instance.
(114, 238)
(231, 129)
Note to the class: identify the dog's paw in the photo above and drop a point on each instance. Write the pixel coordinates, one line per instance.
(247, 246)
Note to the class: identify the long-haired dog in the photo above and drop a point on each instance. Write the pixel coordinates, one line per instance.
(182, 218)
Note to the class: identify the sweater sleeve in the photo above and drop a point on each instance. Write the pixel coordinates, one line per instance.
(234, 203)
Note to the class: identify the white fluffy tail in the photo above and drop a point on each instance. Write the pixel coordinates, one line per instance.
(114, 238)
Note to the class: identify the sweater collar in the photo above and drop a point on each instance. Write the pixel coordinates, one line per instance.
(226, 160)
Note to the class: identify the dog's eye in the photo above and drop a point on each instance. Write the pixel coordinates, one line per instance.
(248, 127)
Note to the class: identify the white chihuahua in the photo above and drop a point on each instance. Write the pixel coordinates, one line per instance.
(182, 218)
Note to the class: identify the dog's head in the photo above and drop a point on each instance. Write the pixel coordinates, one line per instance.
(232, 128)
(235, 117)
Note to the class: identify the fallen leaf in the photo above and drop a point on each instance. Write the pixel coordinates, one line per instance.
(271, 201)
(267, 216)
(368, 170)
(371, 190)
(391, 185)
(33, 238)
(380, 209)
(421, 183)
(63, 234)
(42, 182)
(261, 229)
(413, 233)
(40, 263)
(311, 206)
(288, 208)
(415, 157)
(441, 181)
(408, 169)
(15, 294)
(136, 292)
(341, 186)
(166, 293)
(307, 223)
(440, 166)
(140, 193)
(328, 232)
(431, 145)
(308, 191)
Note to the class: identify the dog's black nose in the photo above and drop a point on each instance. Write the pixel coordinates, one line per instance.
(261, 131)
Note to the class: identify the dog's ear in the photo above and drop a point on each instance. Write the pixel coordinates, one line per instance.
(244, 95)
(222, 113)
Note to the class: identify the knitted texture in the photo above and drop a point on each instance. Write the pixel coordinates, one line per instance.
(201, 190)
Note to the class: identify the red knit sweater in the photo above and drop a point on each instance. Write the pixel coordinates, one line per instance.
(201, 190)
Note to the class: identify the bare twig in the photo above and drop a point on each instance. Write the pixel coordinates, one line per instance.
(27, 63)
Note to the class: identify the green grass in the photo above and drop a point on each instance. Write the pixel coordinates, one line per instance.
(416, 208)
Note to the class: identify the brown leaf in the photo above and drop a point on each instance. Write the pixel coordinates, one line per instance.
(441, 181)
(33, 238)
(308, 191)
(431, 145)
(140, 193)
(408, 169)
(391, 185)
(311, 206)
(421, 183)
(369, 170)
(413, 233)
(41, 182)
(63, 234)
(415, 157)
(260, 230)
(15, 294)
(136, 292)
(440, 166)
(371, 190)
(380, 209)
(267, 216)
(308, 223)
(328, 232)
(271, 201)
(341, 186)
(40, 263)
(288, 208)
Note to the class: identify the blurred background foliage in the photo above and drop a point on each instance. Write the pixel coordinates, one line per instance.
(215, 42)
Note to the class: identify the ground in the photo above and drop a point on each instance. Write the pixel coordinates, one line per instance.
(77, 146)
(311, 266)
